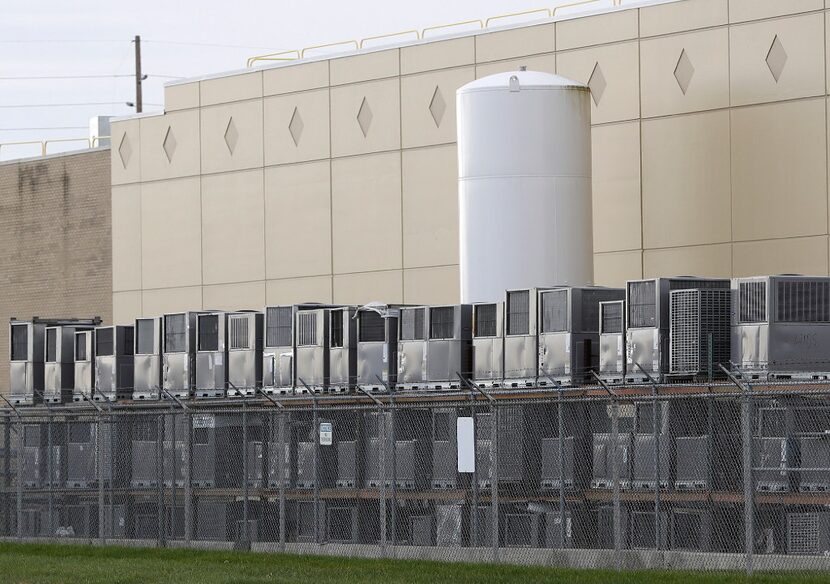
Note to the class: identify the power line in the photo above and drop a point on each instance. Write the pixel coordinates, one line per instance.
(51, 77)
(43, 129)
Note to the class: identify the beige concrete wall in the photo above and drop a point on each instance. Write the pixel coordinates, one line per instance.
(335, 180)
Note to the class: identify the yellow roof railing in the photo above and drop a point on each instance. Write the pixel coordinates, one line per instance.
(295, 54)
(91, 142)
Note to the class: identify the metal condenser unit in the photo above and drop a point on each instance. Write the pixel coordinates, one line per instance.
(26, 361)
(179, 354)
(278, 354)
(114, 362)
(412, 348)
(612, 341)
(245, 339)
(569, 333)
(449, 345)
(312, 349)
(342, 353)
(211, 354)
(781, 327)
(647, 324)
(700, 336)
(59, 370)
(147, 369)
(488, 344)
(84, 385)
(521, 339)
(377, 347)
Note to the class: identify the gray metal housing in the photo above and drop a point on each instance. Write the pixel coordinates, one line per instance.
(59, 358)
(26, 356)
(245, 341)
(488, 344)
(312, 349)
(612, 353)
(211, 354)
(569, 332)
(521, 337)
(699, 317)
(114, 362)
(147, 365)
(342, 348)
(84, 385)
(377, 347)
(781, 326)
(449, 345)
(279, 350)
(647, 322)
(412, 347)
(179, 353)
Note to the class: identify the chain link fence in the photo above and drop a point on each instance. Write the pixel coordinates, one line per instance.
(711, 477)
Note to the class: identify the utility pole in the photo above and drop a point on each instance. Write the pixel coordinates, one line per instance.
(138, 77)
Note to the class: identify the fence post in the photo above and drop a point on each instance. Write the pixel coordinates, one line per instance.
(749, 487)
(394, 448)
(50, 469)
(657, 437)
(382, 475)
(316, 435)
(7, 475)
(560, 419)
(615, 479)
(101, 475)
(160, 476)
(474, 510)
(281, 461)
(494, 484)
(173, 467)
(188, 480)
(19, 475)
(245, 463)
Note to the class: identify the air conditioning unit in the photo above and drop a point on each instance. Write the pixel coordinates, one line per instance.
(781, 327)
(769, 454)
(815, 454)
(422, 530)
(212, 520)
(179, 353)
(612, 354)
(342, 341)
(59, 368)
(521, 339)
(145, 469)
(84, 351)
(644, 528)
(217, 450)
(648, 322)
(278, 354)
(691, 530)
(514, 440)
(211, 355)
(694, 463)
(808, 534)
(523, 530)
(147, 369)
(488, 344)
(282, 453)
(553, 530)
(377, 347)
(569, 333)
(449, 346)
(256, 462)
(177, 437)
(603, 460)
(412, 348)
(348, 466)
(305, 531)
(341, 524)
(114, 362)
(312, 349)
(451, 525)
(699, 317)
(82, 462)
(325, 459)
(552, 470)
(605, 527)
(245, 340)
(644, 473)
(34, 446)
(444, 449)
(26, 356)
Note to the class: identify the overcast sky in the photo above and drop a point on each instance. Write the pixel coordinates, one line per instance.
(180, 38)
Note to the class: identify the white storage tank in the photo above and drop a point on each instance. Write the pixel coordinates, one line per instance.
(524, 184)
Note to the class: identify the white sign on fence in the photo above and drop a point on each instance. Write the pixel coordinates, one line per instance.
(325, 433)
(465, 432)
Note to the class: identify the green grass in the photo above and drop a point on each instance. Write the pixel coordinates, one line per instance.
(77, 564)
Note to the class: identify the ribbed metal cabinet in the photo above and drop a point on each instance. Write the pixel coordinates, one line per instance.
(603, 460)
(644, 474)
(282, 450)
(698, 318)
(775, 453)
(245, 345)
(569, 332)
(179, 353)
(211, 354)
(147, 366)
(412, 348)
(377, 347)
(349, 464)
(449, 345)
(444, 449)
(217, 450)
(781, 327)
(59, 358)
(551, 466)
(304, 528)
(808, 534)
(691, 530)
(82, 460)
(341, 523)
(521, 337)
(612, 353)
(114, 362)
(815, 454)
(145, 451)
(488, 344)
(516, 439)
(694, 464)
(342, 351)
(278, 353)
(451, 524)
(84, 384)
(413, 449)
(312, 350)
(26, 361)
(648, 322)
(326, 461)
(36, 467)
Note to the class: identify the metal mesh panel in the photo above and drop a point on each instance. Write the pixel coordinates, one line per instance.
(699, 318)
(752, 302)
(642, 304)
(441, 322)
(802, 301)
(208, 327)
(175, 333)
(412, 324)
(145, 332)
(80, 347)
(485, 320)
(19, 342)
(306, 329)
(238, 335)
(51, 345)
(518, 312)
(372, 327)
(554, 311)
(278, 325)
(611, 317)
(336, 327)
(104, 343)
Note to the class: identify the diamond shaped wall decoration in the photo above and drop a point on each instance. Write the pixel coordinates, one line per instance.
(125, 150)
(776, 58)
(231, 136)
(169, 144)
(597, 84)
(683, 71)
(364, 117)
(295, 126)
(437, 106)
